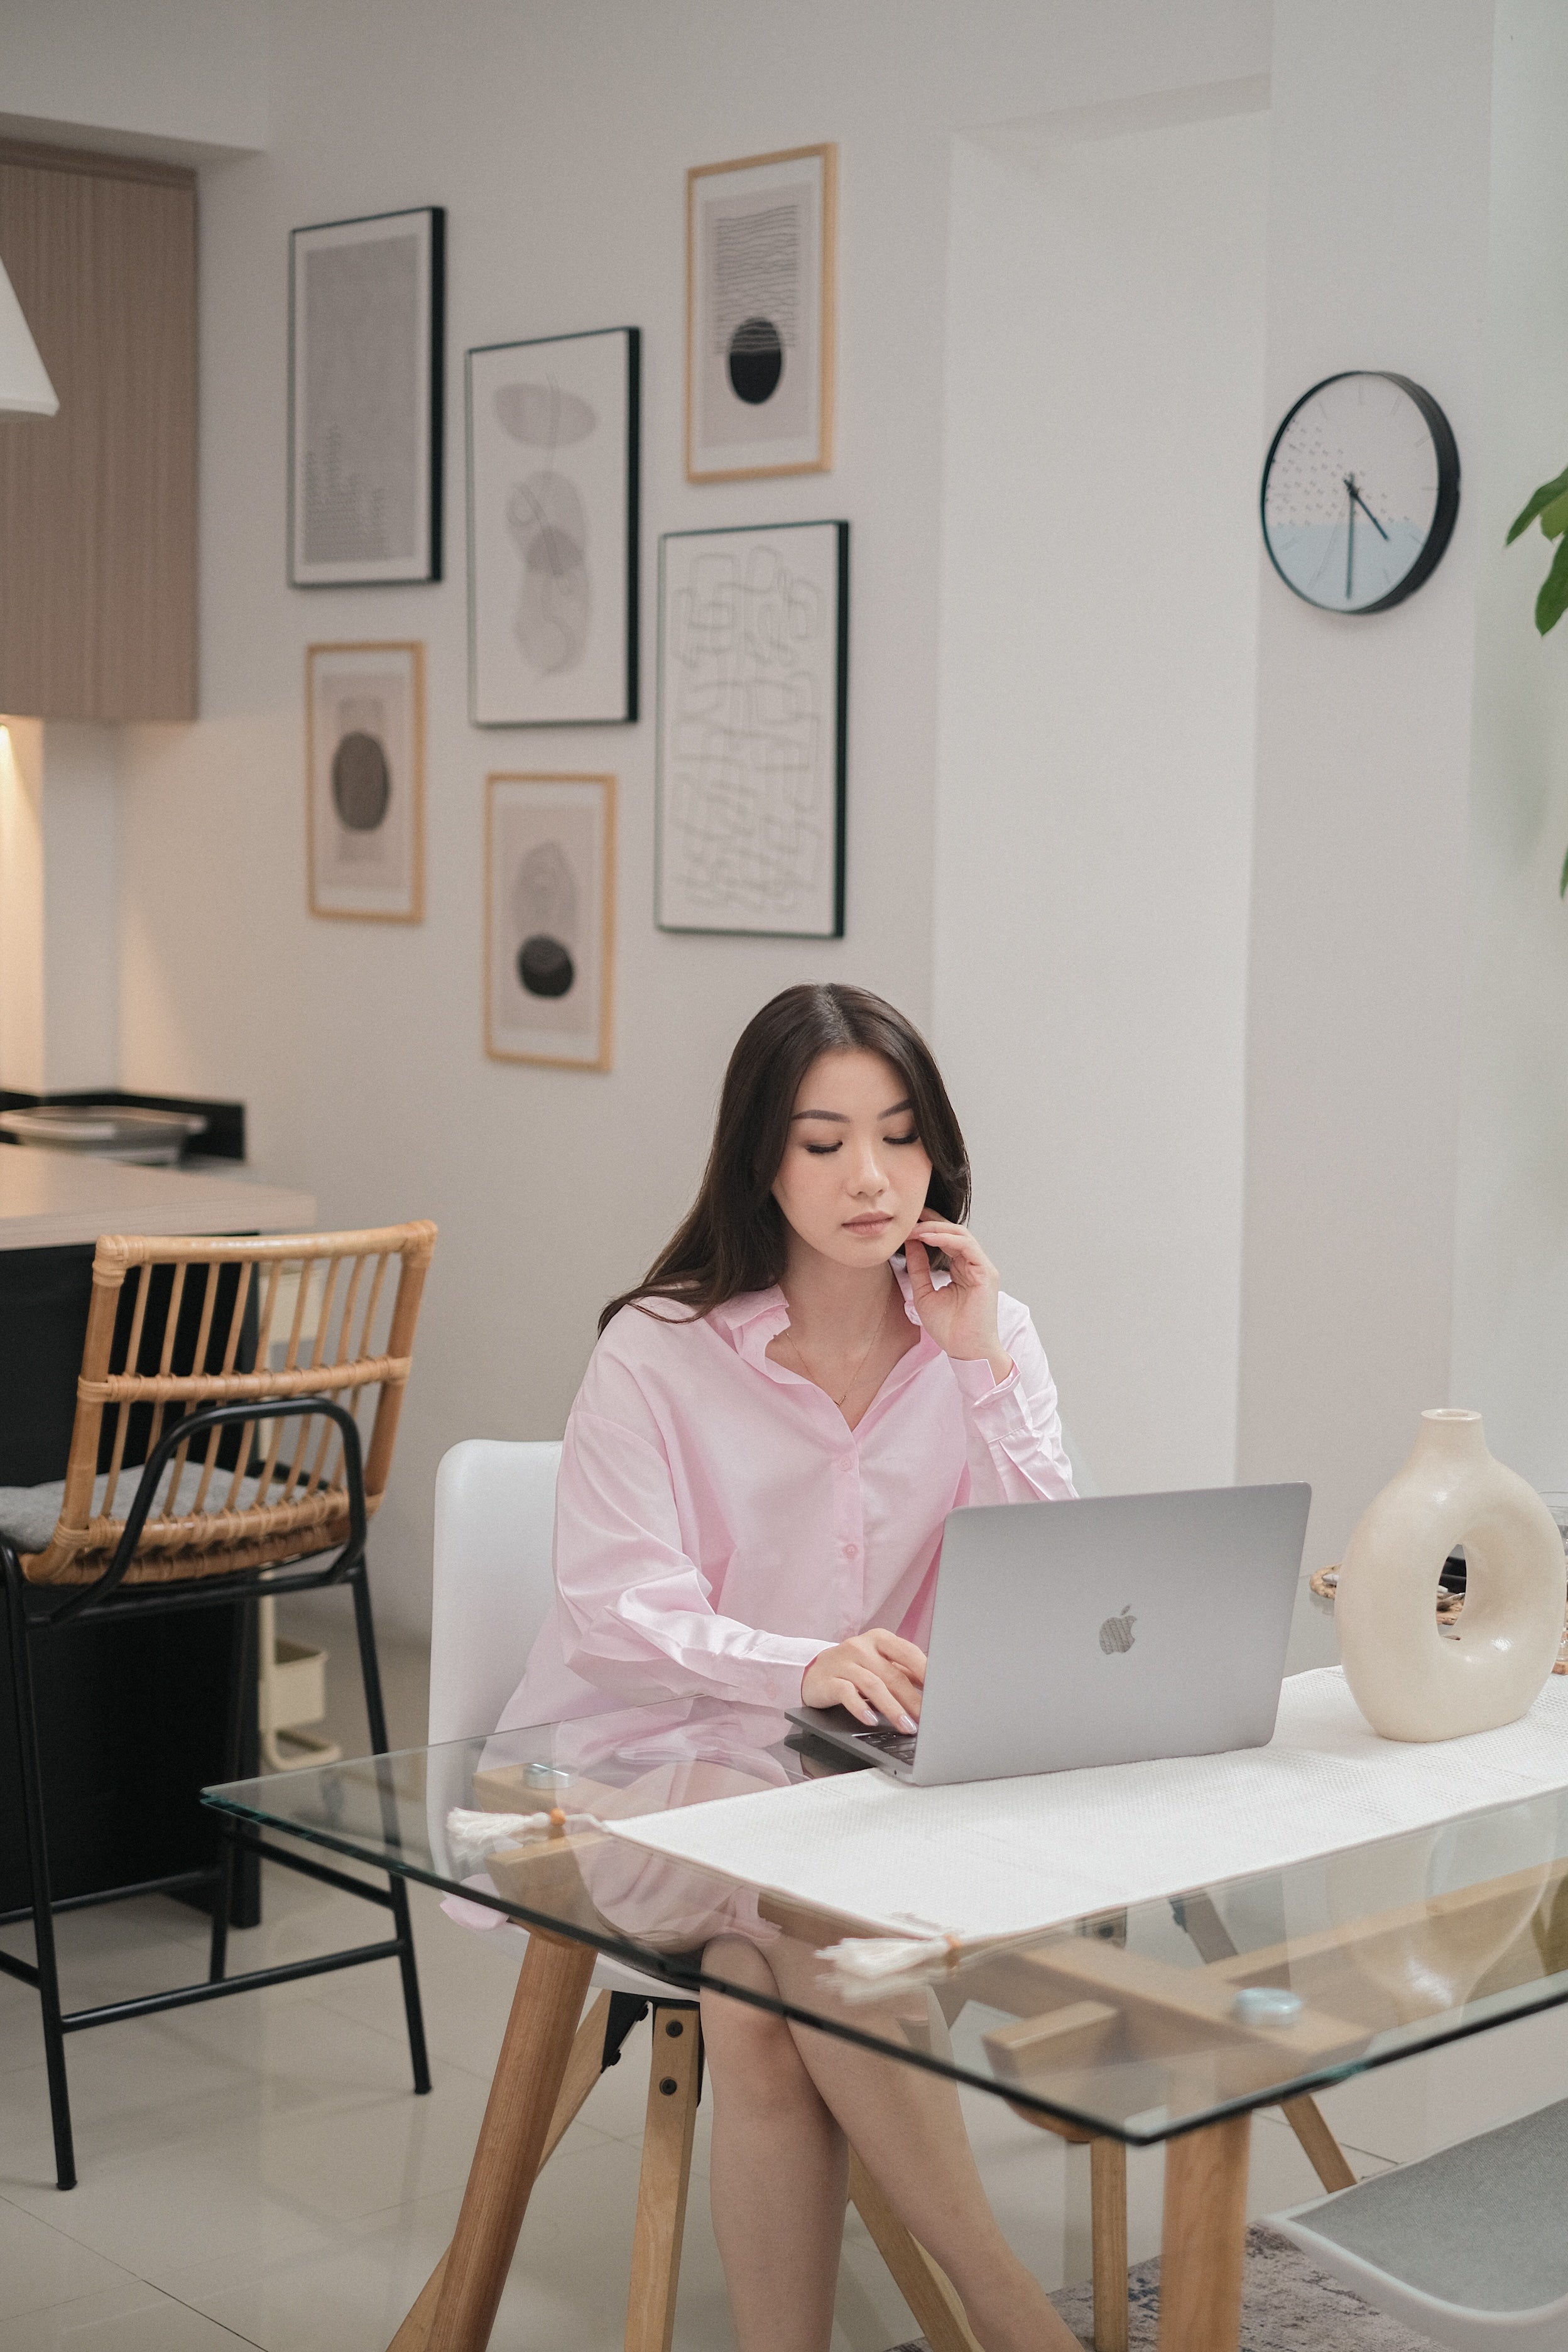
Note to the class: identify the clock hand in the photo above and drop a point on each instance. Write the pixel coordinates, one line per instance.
(1365, 507)
(1349, 534)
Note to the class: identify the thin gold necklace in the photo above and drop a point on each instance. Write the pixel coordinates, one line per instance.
(853, 1376)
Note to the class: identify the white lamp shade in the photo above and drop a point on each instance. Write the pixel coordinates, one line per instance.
(25, 386)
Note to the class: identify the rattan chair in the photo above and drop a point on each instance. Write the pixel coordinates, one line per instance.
(215, 1458)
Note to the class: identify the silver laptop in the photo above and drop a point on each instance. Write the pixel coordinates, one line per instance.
(1103, 1631)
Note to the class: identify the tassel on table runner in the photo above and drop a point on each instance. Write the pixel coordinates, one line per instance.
(869, 1959)
(472, 1837)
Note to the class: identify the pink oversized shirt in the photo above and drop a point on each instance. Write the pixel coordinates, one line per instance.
(717, 1522)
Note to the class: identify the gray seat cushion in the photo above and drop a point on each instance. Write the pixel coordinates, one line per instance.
(28, 1515)
(1478, 2225)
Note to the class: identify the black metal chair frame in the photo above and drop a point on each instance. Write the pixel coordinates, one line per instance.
(35, 1609)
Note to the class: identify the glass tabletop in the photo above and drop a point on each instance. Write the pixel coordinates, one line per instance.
(1135, 2024)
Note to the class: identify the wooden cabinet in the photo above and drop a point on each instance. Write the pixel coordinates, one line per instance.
(97, 505)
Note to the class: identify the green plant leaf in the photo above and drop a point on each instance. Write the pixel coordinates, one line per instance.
(1553, 601)
(1554, 517)
(1542, 497)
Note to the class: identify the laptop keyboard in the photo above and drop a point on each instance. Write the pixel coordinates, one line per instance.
(898, 1745)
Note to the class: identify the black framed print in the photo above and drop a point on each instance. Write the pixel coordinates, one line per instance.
(553, 531)
(753, 675)
(365, 400)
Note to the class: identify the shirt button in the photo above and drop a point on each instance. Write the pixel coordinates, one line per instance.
(851, 1551)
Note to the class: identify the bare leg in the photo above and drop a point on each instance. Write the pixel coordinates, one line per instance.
(908, 2129)
(780, 2171)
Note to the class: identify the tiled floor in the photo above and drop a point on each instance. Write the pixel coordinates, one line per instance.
(258, 2171)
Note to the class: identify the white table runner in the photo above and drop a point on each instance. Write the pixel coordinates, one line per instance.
(1000, 1857)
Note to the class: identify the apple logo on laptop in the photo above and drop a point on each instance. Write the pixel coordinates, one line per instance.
(1116, 1634)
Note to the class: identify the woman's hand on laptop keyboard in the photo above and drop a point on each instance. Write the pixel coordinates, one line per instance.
(870, 1673)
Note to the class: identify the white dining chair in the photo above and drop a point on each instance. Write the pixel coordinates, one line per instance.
(495, 1518)
(495, 1522)
(1465, 2247)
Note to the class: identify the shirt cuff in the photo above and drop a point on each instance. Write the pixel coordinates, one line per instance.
(977, 1383)
(773, 1678)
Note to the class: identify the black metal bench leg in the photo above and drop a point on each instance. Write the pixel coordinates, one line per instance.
(38, 1872)
(370, 1674)
(242, 1668)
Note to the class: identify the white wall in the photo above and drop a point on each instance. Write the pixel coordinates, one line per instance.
(558, 139)
(1511, 1306)
(59, 907)
(177, 78)
(1100, 593)
(22, 1032)
(1380, 147)
(1404, 1128)
(82, 906)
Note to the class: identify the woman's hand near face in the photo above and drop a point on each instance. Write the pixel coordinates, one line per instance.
(871, 1674)
(962, 1315)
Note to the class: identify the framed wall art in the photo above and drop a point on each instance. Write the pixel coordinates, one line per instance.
(753, 668)
(365, 399)
(759, 316)
(550, 918)
(365, 764)
(553, 531)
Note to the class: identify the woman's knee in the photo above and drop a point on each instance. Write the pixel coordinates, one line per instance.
(748, 2049)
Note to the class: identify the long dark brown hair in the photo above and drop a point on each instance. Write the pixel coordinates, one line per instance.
(735, 1238)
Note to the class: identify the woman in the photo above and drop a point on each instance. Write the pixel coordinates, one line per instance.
(769, 1436)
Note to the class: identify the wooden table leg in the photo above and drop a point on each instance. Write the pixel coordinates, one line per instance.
(1108, 2229)
(583, 2069)
(1202, 2242)
(528, 2079)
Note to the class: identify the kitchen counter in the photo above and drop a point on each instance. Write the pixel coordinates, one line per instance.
(51, 1198)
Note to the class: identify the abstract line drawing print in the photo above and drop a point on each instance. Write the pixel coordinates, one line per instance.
(553, 531)
(549, 524)
(750, 811)
(749, 741)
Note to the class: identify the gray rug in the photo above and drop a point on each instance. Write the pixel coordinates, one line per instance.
(1287, 2306)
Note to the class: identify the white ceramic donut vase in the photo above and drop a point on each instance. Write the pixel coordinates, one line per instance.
(1410, 1681)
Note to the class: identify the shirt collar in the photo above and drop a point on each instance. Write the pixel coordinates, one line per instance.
(754, 1317)
(751, 1319)
(902, 1277)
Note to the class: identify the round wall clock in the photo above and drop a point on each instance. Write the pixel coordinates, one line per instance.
(1360, 487)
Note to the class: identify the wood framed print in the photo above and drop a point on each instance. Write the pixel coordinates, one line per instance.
(365, 739)
(553, 531)
(759, 316)
(364, 400)
(753, 675)
(549, 919)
